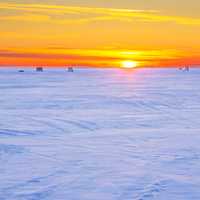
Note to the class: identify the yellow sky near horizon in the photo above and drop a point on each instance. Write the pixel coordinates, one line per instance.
(99, 33)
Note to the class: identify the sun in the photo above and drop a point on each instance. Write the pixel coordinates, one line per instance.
(128, 64)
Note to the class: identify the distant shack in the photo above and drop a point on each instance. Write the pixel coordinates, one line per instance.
(70, 69)
(187, 68)
(39, 69)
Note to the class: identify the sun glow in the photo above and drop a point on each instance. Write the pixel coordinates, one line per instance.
(128, 64)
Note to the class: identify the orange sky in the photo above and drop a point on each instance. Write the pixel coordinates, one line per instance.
(98, 33)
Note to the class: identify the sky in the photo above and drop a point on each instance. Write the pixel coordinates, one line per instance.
(96, 33)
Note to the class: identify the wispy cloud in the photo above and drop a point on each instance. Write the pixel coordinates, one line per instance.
(69, 14)
(92, 54)
(94, 57)
(26, 17)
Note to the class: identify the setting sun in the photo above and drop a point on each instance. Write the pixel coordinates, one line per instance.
(129, 64)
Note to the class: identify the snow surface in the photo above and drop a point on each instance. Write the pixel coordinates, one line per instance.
(100, 134)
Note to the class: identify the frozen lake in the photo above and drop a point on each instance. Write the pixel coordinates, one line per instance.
(100, 134)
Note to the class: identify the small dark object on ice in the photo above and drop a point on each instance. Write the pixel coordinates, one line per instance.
(39, 69)
(187, 68)
(21, 70)
(70, 69)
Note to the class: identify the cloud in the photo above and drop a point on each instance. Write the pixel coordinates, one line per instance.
(94, 57)
(68, 14)
(26, 17)
(91, 54)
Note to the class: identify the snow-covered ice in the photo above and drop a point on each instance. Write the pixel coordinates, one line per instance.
(100, 134)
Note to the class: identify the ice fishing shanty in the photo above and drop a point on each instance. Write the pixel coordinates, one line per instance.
(70, 69)
(39, 69)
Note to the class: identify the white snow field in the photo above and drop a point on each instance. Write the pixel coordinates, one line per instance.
(100, 134)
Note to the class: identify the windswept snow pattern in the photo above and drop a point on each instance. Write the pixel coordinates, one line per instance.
(100, 134)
